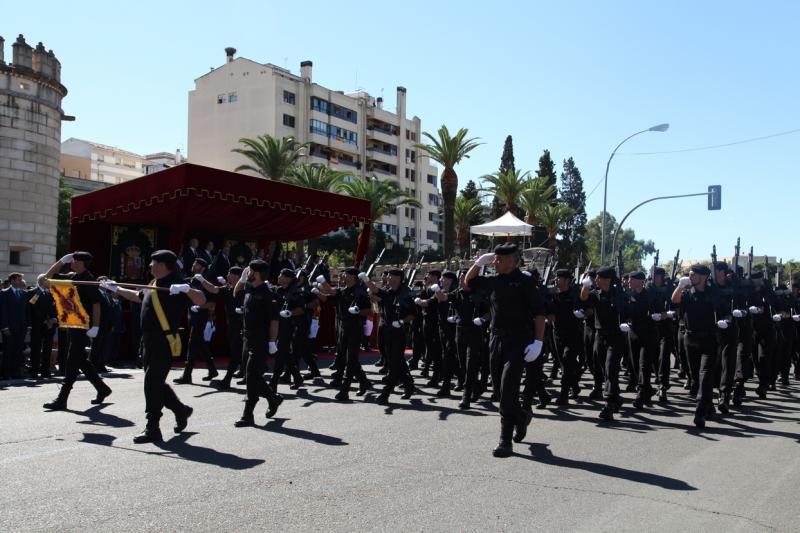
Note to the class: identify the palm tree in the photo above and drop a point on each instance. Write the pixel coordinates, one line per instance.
(272, 158)
(553, 217)
(508, 188)
(465, 211)
(383, 196)
(536, 196)
(317, 177)
(448, 151)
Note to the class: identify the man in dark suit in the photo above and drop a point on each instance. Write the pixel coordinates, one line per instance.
(189, 255)
(41, 311)
(13, 325)
(221, 265)
(208, 253)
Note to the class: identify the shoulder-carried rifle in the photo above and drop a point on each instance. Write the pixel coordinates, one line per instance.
(312, 276)
(711, 278)
(675, 266)
(413, 274)
(750, 262)
(655, 264)
(371, 268)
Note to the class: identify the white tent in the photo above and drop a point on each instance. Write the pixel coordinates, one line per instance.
(506, 226)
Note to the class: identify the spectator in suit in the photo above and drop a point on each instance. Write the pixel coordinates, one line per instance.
(221, 265)
(42, 318)
(289, 261)
(14, 325)
(189, 255)
(208, 253)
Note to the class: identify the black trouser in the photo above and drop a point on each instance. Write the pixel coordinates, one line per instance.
(382, 339)
(507, 352)
(235, 347)
(41, 348)
(644, 349)
(701, 350)
(287, 354)
(450, 366)
(569, 348)
(77, 361)
(683, 357)
(394, 342)
(417, 340)
(744, 351)
(666, 347)
(157, 361)
(764, 346)
(433, 347)
(471, 349)
(727, 342)
(97, 351)
(350, 341)
(588, 346)
(787, 347)
(13, 358)
(609, 346)
(255, 344)
(198, 347)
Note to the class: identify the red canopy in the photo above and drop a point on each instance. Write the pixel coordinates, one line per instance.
(205, 201)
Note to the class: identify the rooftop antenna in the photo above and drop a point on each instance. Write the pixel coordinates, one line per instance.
(285, 62)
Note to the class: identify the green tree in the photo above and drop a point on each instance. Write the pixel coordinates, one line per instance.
(469, 192)
(507, 188)
(553, 218)
(547, 170)
(572, 195)
(506, 164)
(270, 157)
(537, 195)
(633, 250)
(466, 210)
(448, 151)
(62, 232)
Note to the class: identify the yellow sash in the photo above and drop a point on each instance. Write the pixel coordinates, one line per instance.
(174, 339)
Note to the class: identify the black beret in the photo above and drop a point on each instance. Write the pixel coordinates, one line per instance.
(563, 273)
(637, 274)
(626, 276)
(721, 265)
(505, 249)
(437, 273)
(82, 256)
(287, 272)
(700, 269)
(659, 271)
(235, 270)
(591, 272)
(201, 261)
(394, 272)
(606, 272)
(451, 275)
(757, 275)
(351, 271)
(257, 265)
(164, 256)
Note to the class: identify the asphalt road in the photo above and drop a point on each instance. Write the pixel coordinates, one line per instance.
(421, 465)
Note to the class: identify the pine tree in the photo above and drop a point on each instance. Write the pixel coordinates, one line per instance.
(506, 164)
(547, 169)
(572, 195)
(470, 191)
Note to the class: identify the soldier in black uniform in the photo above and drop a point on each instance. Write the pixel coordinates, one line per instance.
(609, 346)
(517, 330)
(291, 323)
(660, 293)
(199, 318)
(642, 314)
(447, 335)
(303, 343)
(79, 338)
(784, 308)
(156, 348)
(430, 329)
(567, 331)
(397, 311)
(233, 315)
(761, 301)
(352, 307)
(41, 310)
(260, 333)
(698, 308)
(727, 335)
(587, 315)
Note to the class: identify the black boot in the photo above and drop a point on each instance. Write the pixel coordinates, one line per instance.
(212, 371)
(247, 419)
(544, 398)
(563, 396)
(408, 388)
(363, 386)
(60, 403)
(504, 448)
(102, 394)
(521, 429)
(182, 418)
(186, 377)
(383, 397)
(150, 434)
(344, 391)
(224, 383)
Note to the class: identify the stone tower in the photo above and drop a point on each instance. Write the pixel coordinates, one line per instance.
(30, 148)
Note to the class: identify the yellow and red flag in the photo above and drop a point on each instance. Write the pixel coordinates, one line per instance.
(69, 308)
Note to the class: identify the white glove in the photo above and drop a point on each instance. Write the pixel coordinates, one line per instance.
(354, 310)
(579, 313)
(435, 287)
(320, 279)
(418, 301)
(397, 324)
(315, 291)
(239, 311)
(220, 280)
(178, 288)
(208, 331)
(285, 313)
(527, 273)
(110, 286)
(587, 282)
(67, 259)
(796, 318)
(484, 260)
(363, 277)
(451, 319)
(777, 318)
(722, 324)
(754, 310)
(738, 313)
(533, 351)
(198, 277)
(670, 314)
(194, 308)
(477, 321)
(625, 327)
(656, 316)
(684, 282)
(273, 347)
(93, 331)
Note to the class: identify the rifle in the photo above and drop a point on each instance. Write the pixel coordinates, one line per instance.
(766, 270)
(750, 262)
(779, 275)
(550, 268)
(578, 267)
(408, 261)
(736, 252)
(713, 264)
(414, 271)
(655, 264)
(313, 274)
(620, 264)
(375, 263)
(674, 271)
(307, 263)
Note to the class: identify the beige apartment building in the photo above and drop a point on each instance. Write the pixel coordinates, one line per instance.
(349, 132)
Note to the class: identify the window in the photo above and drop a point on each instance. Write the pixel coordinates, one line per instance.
(288, 97)
(411, 156)
(411, 174)
(14, 257)
(433, 199)
(318, 104)
(221, 98)
(432, 179)
(411, 135)
(433, 236)
(288, 120)
(319, 127)
(433, 217)
(411, 232)
(341, 134)
(410, 212)
(232, 97)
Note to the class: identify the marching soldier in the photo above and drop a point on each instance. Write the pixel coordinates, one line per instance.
(568, 330)
(199, 328)
(642, 314)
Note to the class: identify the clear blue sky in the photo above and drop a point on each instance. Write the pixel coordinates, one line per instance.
(572, 77)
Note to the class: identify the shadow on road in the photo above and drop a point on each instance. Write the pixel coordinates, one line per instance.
(276, 426)
(541, 454)
(96, 417)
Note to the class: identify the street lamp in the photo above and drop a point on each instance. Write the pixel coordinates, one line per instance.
(407, 240)
(660, 128)
(388, 243)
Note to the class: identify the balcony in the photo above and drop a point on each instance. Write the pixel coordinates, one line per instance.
(381, 135)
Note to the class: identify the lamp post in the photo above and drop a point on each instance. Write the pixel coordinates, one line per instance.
(659, 128)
